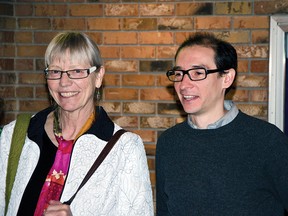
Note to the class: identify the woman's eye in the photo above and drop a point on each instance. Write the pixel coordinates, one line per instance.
(77, 71)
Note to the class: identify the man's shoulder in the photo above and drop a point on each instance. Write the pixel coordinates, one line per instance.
(170, 132)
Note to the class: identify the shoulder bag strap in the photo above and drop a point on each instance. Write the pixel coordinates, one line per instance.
(98, 161)
(17, 142)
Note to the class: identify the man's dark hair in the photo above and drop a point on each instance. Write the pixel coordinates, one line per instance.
(225, 54)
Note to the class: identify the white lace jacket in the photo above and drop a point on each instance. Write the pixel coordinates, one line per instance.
(120, 186)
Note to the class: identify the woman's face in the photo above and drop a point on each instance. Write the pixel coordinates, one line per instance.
(74, 94)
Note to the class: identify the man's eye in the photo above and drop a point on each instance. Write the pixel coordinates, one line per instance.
(199, 72)
(178, 73)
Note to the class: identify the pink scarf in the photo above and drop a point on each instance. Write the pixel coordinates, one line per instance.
(55, 179)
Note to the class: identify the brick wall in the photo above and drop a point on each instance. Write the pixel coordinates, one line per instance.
(138, 40)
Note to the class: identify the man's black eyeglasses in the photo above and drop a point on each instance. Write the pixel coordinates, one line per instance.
(194, 74)
(72, 74)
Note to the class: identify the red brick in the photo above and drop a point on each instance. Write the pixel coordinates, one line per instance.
(23, 37)
(44, 37)
(7, 23)
(139, 24)
(271, 7)
(31, 78)
(24, 64)
(7, 91)
(126, 121)
(260, 95)
(50, 10)
(175, 23)
(32, 106)
(6, 9)
(139, 108)
(103, 24)
(34, 23)
(69, 24)
(121, 10)
(138, 80)
(96, 37)
(120, 37)
(150, 150)
(7, 50)
(243, 65)
(7, 36)
(31, 51)
(166, 52)
(155, 94)
(233, 8)
(157, 9)
(252, 51)
(86, 10)
(110, 51)
(120, 94)
(6, 64)
(235, 36)
(156, 122)
(239, 95)
(151, 164)
(257, 110)
(121, 66)
(162, 80)
(259, 66)
(260, 36)
(138, 52)
(252, 81)
(111, 79)
(193, 8)
(155, 38)
(24, 10)
(247, 22)
(112, 107)
(214, 22)
(24, 92)
(180, 37)
(42, 93)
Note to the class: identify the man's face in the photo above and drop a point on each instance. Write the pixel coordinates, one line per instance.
(203, 98)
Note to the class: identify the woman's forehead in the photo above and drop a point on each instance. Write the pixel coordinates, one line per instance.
(66, 57)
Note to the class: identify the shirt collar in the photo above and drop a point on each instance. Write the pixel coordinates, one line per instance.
(226, 119)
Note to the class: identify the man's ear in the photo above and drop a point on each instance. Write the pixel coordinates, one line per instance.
(99, 77)
(229, 77)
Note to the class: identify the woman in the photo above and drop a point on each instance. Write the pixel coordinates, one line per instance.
(65, 139)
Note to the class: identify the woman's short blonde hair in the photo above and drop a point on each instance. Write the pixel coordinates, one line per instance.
(80, 46)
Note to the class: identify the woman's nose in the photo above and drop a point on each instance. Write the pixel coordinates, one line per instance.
(65, 80)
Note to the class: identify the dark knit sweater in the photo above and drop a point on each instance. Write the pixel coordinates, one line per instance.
(238, 169)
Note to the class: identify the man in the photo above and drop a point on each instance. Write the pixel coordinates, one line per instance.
(219, 161)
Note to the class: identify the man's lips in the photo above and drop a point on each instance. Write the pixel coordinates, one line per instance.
(189, 97)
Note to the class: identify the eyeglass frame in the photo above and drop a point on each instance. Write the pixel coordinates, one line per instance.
(89, 71)
(207, 71)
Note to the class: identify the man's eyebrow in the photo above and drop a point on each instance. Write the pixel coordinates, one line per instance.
(192, 66)
(177, 67)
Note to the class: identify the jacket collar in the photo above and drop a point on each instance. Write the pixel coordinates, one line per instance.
(103, 127)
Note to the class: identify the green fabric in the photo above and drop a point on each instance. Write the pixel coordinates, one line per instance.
(17, 143)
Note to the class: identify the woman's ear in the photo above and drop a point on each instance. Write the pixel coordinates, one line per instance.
(229, 77)
(99, 77)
